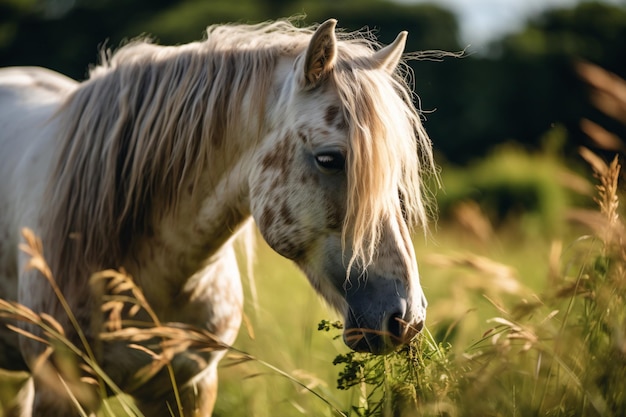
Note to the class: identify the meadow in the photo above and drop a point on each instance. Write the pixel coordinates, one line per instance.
(525, 273)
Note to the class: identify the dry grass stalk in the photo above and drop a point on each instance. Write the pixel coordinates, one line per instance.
(609, 226)
(470, 217)
(608, 90)
(161, 341)
(493, 276)
(513, 332)
(72, 374)
(72, 371)
(601, 137)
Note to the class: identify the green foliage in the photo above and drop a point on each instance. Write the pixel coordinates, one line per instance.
(523, 83)
(584, 31)
(512, 185)
(416, 377)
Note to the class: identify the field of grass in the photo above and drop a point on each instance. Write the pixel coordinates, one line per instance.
(286, 321)
(282, 331)
(526, 278)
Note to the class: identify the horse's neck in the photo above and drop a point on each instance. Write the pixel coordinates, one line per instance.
(190, 238)
(195, 234)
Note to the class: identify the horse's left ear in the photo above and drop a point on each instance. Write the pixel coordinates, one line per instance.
(388, 57)
(320, 55)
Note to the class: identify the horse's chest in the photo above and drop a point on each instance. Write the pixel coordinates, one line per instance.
(215, 305)
(210, 299)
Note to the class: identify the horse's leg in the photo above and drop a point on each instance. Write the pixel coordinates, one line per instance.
(54, 402)
(197, 398)
(22, 405)
(47, 394)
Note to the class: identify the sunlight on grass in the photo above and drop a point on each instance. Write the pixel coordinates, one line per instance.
(513, 325)
(284, 334)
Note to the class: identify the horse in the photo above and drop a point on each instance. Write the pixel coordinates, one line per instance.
(158, 159)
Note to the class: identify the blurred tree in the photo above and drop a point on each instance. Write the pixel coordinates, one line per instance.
(65, 35)
(529, 85)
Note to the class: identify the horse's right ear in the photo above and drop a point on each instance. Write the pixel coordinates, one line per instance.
(389, 57)
(319, 57)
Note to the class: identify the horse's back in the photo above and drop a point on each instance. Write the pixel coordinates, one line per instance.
(29, 97)
(19, 78)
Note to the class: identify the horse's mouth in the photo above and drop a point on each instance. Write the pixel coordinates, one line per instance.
(381, 342)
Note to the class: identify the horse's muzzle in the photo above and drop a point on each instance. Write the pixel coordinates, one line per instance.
(379, 342)
(380, 333)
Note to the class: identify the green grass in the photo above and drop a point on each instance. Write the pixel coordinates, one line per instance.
(285, 335)
(557, 351)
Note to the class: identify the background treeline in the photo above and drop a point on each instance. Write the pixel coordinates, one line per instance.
(522, 86)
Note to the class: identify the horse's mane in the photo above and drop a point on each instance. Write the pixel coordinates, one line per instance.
(148, 118)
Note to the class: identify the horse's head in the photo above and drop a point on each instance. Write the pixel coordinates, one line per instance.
(336, 184)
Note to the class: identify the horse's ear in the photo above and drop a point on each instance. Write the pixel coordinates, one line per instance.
(320, 55)
(388, 57)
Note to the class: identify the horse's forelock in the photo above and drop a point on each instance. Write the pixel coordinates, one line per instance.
(390, 153)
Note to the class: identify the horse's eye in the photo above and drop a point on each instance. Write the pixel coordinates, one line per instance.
(330, 162)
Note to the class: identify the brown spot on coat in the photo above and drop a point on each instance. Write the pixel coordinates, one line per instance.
(306, 178)
(331, 114)
(277, 181)
(280, 158)
(334, 118)
(267, 219)
(285, 154)
(285, 214)
(271, 160)
(341, 124)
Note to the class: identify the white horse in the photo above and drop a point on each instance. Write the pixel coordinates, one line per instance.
(154, 163)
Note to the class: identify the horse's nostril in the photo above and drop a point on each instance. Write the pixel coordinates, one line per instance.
(395, 326)
(419, 326)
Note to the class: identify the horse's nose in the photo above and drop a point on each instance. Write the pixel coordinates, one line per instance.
(380, 316)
